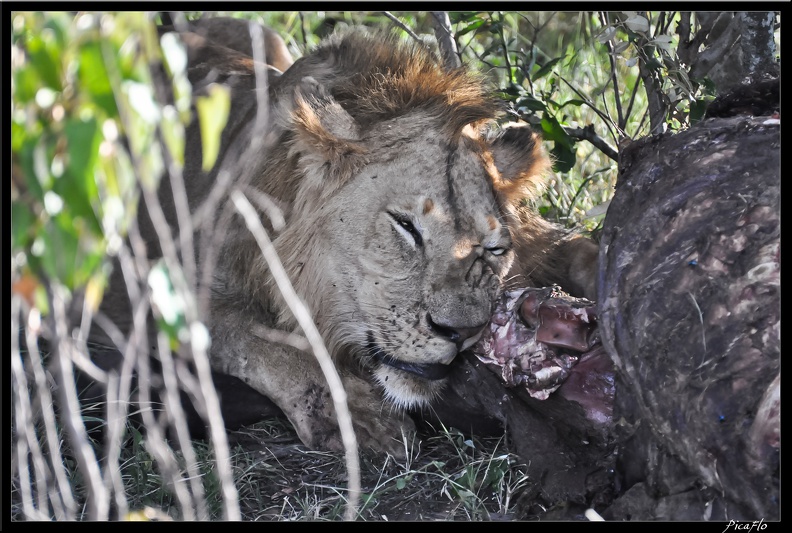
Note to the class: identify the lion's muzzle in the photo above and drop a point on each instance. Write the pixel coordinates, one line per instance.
(428, 371)
(457, 335)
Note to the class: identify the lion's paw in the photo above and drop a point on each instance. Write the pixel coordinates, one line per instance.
(377, 427)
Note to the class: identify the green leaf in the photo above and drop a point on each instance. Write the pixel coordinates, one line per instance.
(697, 109)
(18, 136)
(546, 68)
(469, 28)
(78, 186)
(26, 84)
(60, 253)
(83, 142)
(59, 23)
(637, 23)
(400, 483)
(663, 41)
(94, 78)
(47, 66)
(654, 64)
(553, 131)
(462, 16)
(563, 157)
(495, 27)
(607, 33)
(27, 155)
(22, 221)
(574, 102)
(531, 103)
(213, 115)
(512, 90)
(621, 46)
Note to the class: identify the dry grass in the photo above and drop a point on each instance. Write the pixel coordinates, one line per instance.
(445, 477)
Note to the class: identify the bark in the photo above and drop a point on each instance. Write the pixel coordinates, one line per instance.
(445, 39)
(757, 42)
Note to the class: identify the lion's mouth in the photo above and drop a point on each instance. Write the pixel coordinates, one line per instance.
(428, 371)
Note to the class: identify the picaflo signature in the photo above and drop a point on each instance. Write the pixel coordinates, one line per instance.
(745, 526)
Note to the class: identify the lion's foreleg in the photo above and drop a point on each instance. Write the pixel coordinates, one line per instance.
(293, 380)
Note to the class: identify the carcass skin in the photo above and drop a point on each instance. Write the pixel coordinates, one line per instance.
(689, 310)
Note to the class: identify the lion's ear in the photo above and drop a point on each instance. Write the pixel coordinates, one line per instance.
(325, 139)
(325, 131)
(521, 162)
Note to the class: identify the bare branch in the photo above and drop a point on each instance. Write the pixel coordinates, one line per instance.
(620, 122)
(632, 98)
(582, 134)
(98, 497)
(654, 93)
(303, 316)
(505, 51)
(587, 134)
(717, 49)
(604, 116)
(403, 26)
(302, 29)
(445, 39)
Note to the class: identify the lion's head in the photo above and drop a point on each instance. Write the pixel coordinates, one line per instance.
(401, 214)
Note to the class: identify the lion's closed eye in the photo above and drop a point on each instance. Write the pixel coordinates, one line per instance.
(405, 226)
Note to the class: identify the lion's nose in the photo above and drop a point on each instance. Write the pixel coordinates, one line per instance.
(453, 334)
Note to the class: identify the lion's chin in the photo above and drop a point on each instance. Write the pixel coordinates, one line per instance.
(406, 390)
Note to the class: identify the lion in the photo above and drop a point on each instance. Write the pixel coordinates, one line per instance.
(407, 213)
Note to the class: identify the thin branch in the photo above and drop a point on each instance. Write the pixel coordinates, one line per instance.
(505, 50)
(659, 25)
(179, 421)
(632, 98)
(604, 116)
(53, 445)
(445, 39)
(668, 23)
(98, 499)
(302, 28)
(582, 134)
(303, 316)
(642, 121)
(403, 26)
(587, 134)
(614, 79)
(654, 93)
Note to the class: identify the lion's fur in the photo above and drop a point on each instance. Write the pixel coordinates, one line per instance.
(405, 217)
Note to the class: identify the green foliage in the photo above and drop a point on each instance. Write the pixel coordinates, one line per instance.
(212, 122)
(87, 132)
(552, 72)
(633, 42)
